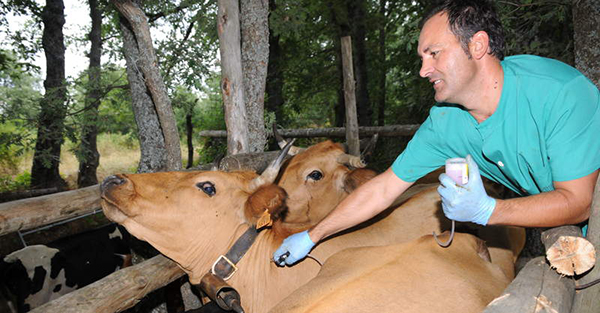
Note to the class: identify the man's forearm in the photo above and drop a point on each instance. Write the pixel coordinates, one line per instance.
(547, 209)
(569, 203)
(362, 204)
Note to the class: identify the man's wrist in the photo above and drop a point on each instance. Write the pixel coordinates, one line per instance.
(313, 235)
(496, 213)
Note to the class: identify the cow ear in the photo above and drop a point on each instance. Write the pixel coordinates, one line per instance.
(265, 205)
(356, 178)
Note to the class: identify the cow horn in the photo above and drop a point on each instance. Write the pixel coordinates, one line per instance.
(367, 152)
(217, 163)
(282, 142)
(270, 173)
(351, 160)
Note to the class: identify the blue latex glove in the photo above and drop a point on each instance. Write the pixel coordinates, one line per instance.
(466, 203)
(296, 246)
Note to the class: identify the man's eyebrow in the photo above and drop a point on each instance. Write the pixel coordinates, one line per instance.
(424, 51)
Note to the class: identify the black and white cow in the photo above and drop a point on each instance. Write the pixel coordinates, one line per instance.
(37, 274)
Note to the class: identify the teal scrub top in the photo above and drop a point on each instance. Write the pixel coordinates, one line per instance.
(546, 128)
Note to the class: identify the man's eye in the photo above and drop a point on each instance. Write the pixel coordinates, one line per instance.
(207, 187)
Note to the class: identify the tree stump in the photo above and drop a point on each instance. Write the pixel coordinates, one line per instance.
(567, 251)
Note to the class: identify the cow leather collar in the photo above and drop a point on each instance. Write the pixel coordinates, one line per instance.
(225, 266)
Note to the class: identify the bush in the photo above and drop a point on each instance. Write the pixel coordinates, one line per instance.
(14, 183)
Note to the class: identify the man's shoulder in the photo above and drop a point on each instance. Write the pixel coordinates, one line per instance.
(446, 115)
(445, 110)
(538, 68)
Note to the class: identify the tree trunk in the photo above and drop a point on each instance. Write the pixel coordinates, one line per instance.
(152, 142)
(274, 85)
(88, 155)
(586, 22)
(236, 118)
(148, 64)
(382, 64)
(189, 130)
(46, 159)
(255, 57)
(363, 105)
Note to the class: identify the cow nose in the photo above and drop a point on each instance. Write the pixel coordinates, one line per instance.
(111, 181)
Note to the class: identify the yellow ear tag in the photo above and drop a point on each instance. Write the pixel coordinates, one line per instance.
(264, 220)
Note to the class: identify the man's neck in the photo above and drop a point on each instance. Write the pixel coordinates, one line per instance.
(487, 88)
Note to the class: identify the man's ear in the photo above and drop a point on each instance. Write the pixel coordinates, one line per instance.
(479, 44)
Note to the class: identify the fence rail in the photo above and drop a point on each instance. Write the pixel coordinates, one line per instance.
(336, 132)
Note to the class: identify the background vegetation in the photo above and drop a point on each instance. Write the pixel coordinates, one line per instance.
(306, 34)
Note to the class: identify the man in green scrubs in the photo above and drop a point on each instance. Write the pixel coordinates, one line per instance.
(527, 122)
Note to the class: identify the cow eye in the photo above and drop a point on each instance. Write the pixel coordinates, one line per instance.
(207, 187)
(315, 175)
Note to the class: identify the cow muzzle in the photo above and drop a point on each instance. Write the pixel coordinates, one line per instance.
(110, 183)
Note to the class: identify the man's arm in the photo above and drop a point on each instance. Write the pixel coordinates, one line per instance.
(362, 204)
(569, 203)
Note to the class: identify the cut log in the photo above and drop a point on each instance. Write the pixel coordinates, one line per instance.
(537, 288)
(118, 291)
(567, 251)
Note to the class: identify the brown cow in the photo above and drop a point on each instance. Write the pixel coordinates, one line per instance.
(415, 276)
(193, 217)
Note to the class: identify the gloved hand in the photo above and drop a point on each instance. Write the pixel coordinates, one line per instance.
(469, 202)
(297, 246)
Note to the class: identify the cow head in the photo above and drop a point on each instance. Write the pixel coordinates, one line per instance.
(192, 217)
(316, 179)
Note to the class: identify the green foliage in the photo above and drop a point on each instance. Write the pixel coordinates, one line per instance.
(14, 183)
(542, 28)
(209, 115)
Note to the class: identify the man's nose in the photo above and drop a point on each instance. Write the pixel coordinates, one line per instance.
(426, 69)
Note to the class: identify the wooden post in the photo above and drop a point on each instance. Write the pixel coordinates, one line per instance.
(350, 98)
(588, 300)
(232, 84)
(537, 288)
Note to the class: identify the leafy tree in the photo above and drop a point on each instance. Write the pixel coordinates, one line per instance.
(19, 105)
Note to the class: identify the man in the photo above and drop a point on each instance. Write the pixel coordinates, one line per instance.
(529, 123)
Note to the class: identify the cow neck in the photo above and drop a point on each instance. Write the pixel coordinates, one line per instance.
(213, 283)
(225, 265)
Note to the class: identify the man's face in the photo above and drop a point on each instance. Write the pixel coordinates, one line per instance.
(444, 62)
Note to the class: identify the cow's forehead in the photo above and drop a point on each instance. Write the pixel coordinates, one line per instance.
(326, 151)
(193, 177)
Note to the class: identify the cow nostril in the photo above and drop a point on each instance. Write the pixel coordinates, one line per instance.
(112, 181)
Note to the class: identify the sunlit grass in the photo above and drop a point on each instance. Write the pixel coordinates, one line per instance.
(118, 154)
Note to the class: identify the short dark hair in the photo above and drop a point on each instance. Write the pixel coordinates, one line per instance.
(467, 17)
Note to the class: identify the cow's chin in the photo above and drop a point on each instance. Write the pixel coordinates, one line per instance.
(113, 213)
